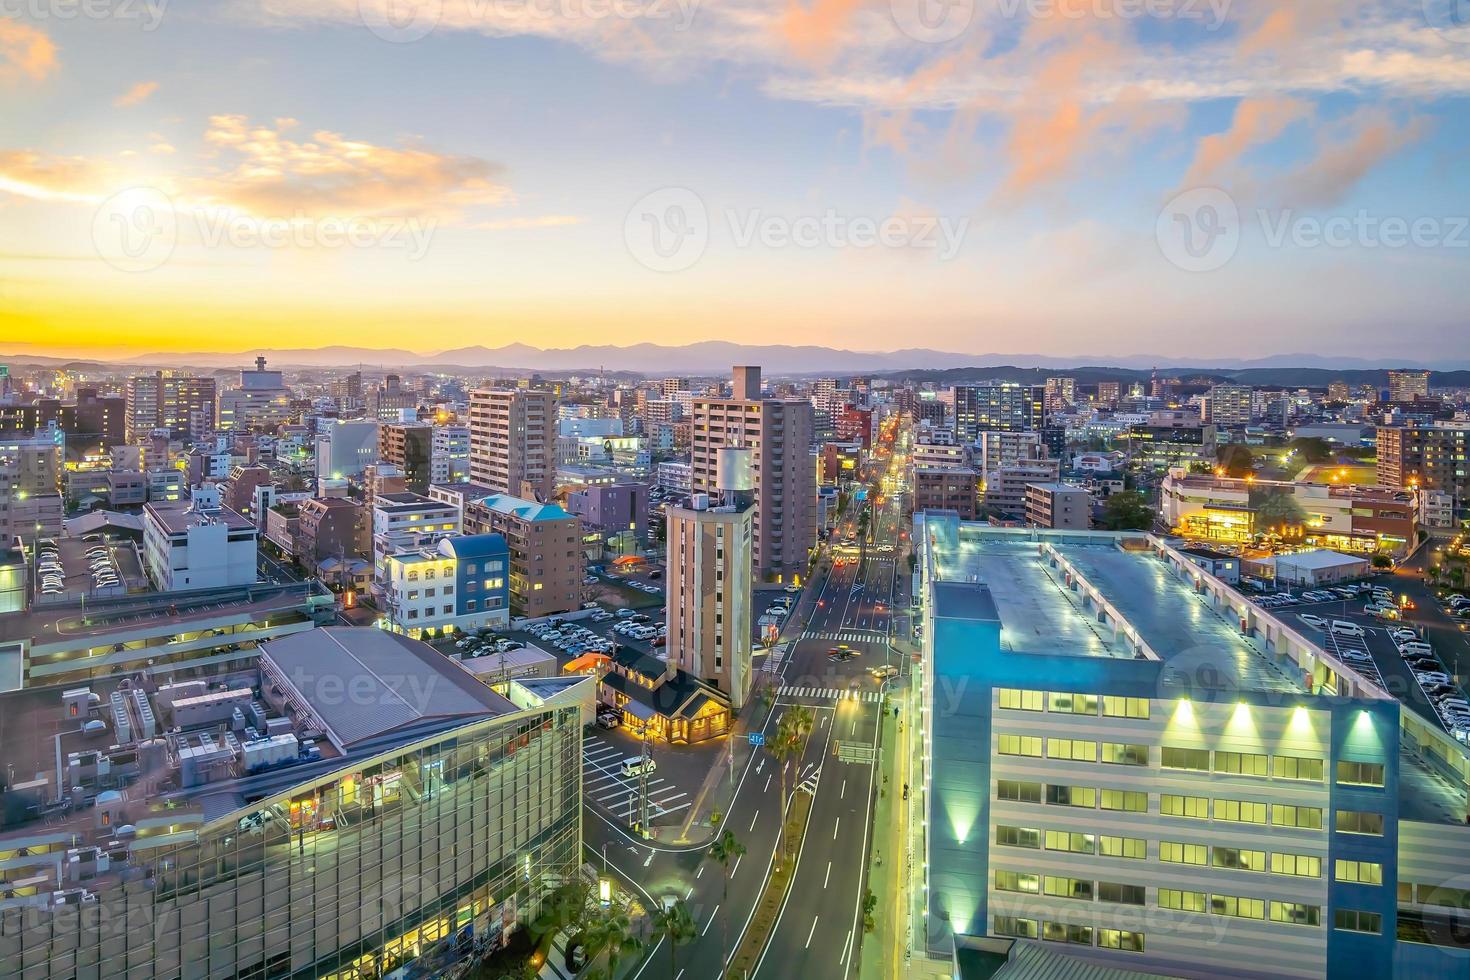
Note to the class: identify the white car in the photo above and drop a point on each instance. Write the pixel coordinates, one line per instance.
(1316, 622)
(1344, 628)
(1432, 677)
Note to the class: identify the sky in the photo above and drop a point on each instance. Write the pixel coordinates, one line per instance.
(1211, 178)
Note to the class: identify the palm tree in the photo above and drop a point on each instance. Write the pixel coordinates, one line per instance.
(790, 742)
(677, 926)
(725, 851)
(565, 908)
(864, 519)
(610, 934)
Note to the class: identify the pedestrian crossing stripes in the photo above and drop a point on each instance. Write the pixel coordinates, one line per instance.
(864, 636)
(832, 694)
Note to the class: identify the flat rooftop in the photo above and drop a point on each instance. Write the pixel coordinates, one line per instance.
(1040, 614)
(178, 517)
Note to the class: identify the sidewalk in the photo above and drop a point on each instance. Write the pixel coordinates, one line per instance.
(881, 949)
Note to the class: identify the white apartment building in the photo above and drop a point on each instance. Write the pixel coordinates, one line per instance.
(200, 544)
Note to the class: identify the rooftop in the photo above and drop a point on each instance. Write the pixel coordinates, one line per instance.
(177, 517)
(526, 510)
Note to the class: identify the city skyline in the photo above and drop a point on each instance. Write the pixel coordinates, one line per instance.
(1013, 180)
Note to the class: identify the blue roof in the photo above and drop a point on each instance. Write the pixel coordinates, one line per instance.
(528, 510)
(477, 546)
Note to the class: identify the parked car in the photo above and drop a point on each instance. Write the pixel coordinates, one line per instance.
(1343, 627)
(1316, 622)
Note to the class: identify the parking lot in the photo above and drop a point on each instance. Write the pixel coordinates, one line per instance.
(669, 793)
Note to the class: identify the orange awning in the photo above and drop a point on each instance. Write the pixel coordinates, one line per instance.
(585, 663)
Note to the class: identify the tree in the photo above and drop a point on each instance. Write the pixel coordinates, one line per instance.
(1128, 510)
(565, 908)
(611, 934)
(870, 905)
(1382, 561)
(677, 926)
(1236, 460)
(725, 851)
(1311, 449)
(1275, 507)
(789, 743)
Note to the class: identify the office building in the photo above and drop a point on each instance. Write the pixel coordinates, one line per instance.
(1408, 386)
(1109, 393)
(1005, 491)
(330, 527)
(1176, 443)
(262, 401)
(1124, 758)
(545, 544)
(306, 834)
(1058, 506)
(410, 447)
(460, 583)
(200, 544)
(997, 407)
(778, 432)
(93, 424)
(450, 462)
(513, 441)
(390, 400)
(995, 449)
(180, 404)
(345, 448)
(1061, 394)
(953, 488)
(618, 511)
(1426, 457)
(709, 580)
(1230, 406)
(407, 522)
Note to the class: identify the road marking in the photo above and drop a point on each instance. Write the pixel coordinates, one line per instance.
(828, 876)
(689, 893)
(812, 933)
(842, 794)
(846, 949)
(737, 866)
(711, 920)
(835, 825)
(757, 812)
(700, 872)
(768, 785)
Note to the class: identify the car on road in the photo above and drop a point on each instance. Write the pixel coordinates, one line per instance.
(636, 765)
(1343, 627)
(883, 672)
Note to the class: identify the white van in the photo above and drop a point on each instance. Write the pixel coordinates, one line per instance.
(636, 765)
(1416, 646)
(1344, 628)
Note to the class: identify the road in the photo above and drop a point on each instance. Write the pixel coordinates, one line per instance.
(819, 927)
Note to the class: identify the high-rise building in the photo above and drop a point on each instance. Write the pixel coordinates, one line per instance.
(778, 432)
(1230, 406)
(1339, 391)
(345, 448)
(513, 441)
(1109, 393)
(94, 424)
(1433, 458)
(181, 403)
(1408, 386)
(1061, 394)
(998, 407)
(389, 401)
(410, 447)
(261, 402)
(710, 565)
(545, 551)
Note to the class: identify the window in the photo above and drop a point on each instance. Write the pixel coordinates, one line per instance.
(1296, 913)
(1015, 881)
(1297, 865)
(1359, 822)
(1124, 754)
(1135, 848)
(1077, 704)
(1242, 763)
(1360, 773)
(1353, 920)
(1304, 817)
(1120, 939)
(1360, 872)
(1116, 707)
(1238, 859)
(1017, 836)
(1010, 789)
(1176, 758)
(1114, 891)
(414, 594)
(1071, 748)
(1240, 908)
(1240, 811)
(1019, 745)
(1010, 925)
(1172, 805)
(1405, 892)
(1084, 796)
(1017, 700)
(1171, 852)
(1061, 840)
(1293, 767)
(1058, 887)
(1060, 932)
(1182, 901)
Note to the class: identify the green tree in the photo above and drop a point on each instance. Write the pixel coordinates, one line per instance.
(677, 926)
(610, 935)
(725, 851)
(789, 743)
(565, 908)
(1128, 510)
(1382, 561)
(1311, 449)
(870, 905)
(1236, 460)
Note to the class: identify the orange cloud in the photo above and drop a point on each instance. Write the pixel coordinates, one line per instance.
(30, 174)
(1256, 121)
(1361, 143)
(25, 51)
(814, 33)
(135, 95)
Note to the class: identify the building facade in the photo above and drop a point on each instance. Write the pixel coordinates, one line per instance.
(513, 441)
(998, 407)
(182, 404)
(545, 545)
(461, 583)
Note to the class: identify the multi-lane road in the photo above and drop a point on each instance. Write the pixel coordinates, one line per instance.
(819, 928)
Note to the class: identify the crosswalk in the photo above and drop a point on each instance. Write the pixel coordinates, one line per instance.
(831, 694)
(604, 784)
(774, 659)
(846, 636)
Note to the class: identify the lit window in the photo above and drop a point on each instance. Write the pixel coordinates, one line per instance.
(1359, 872)
(1297, 865)
(1195, 807)
(1296, 913)
(1360, 773)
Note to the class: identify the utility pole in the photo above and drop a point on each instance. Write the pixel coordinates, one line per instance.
(646, 754)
